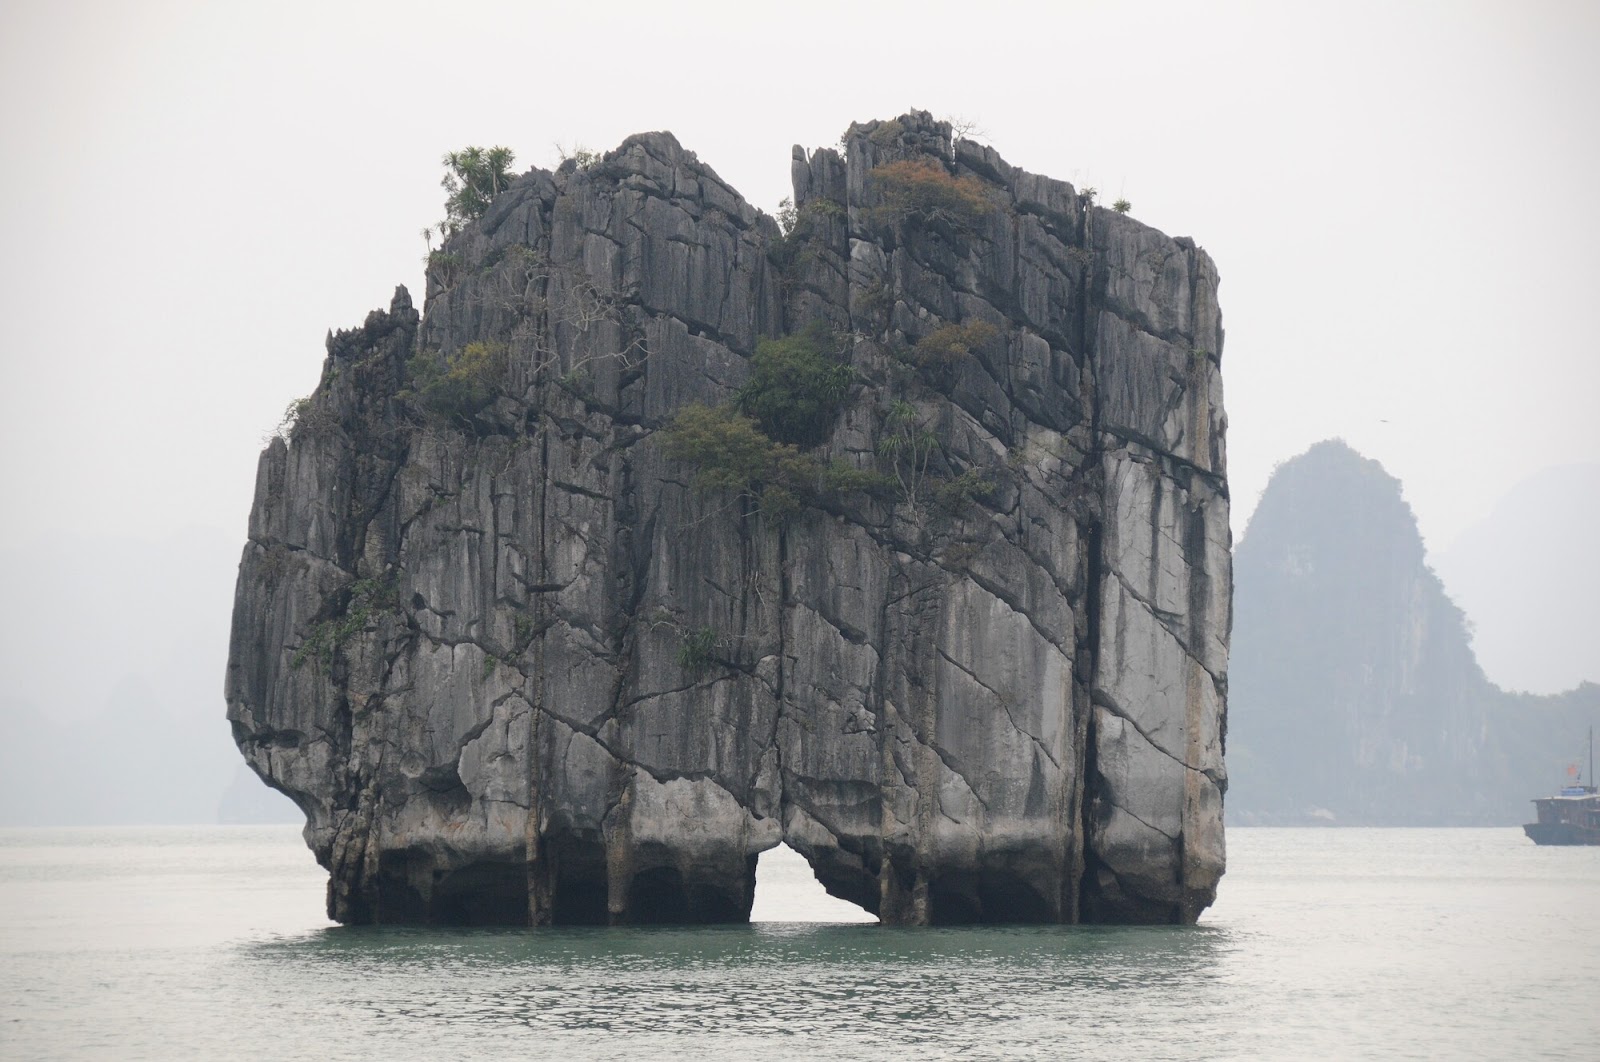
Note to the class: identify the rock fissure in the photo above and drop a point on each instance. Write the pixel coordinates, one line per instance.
(1005, 705)
(1170, 622)
(1103, 700)
(1169, 835)
(948, 759)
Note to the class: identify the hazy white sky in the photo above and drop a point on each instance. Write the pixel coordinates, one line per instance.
(1401, 198)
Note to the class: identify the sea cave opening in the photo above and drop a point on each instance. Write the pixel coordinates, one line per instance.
(788, 891)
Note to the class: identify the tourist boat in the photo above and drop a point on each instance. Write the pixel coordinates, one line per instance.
(1572, 816)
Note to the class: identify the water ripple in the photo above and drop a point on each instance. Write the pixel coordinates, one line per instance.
(867, 988)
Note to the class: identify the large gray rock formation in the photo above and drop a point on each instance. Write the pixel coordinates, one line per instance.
(515, 666)
(1356, 696)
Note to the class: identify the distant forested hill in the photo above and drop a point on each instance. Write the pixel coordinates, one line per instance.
(1354, 694)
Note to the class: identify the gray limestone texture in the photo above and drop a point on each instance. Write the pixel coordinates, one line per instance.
(515, 666)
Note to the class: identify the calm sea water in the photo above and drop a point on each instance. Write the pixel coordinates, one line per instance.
(210, 943)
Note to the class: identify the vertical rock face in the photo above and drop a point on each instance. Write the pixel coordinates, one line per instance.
(516, 666)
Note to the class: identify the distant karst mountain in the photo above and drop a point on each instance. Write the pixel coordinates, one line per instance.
(1354, 694)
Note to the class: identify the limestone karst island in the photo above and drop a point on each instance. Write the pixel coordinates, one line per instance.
(667, 533)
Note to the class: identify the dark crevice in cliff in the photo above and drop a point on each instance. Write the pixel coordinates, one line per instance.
(1216, 481)
(540, 870)
(1089, 779)
(847, 632)
(781, 690)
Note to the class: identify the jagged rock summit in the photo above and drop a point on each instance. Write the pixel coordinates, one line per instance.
(666, 536)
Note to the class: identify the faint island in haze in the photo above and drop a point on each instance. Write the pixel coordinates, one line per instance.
(1355, 698)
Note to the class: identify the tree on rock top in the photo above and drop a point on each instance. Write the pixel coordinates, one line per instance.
(473, 177)
(923, 188)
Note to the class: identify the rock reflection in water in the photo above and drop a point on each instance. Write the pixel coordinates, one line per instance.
(794, 988)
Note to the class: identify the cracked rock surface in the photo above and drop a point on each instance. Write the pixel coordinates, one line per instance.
(518, 669)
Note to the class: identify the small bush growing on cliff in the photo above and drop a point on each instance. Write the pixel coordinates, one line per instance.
(790, 216)
(306, 416)
(796, 386)
(368, 598)
(874, 305)
(787, 215)
(954, 494)
(726, 448)
(754, 445)
(292, 414)
(909, 447)
(959, 556)
(841, 477)
(949, 345)
(887, 133)
(824, 208)
(694, 655)
(938, 355)
(1122, 206)
(579, 155)
(473, 177)
(458, 386)
(796, 250)
(443, 267)
(730, 452)
(922, 188)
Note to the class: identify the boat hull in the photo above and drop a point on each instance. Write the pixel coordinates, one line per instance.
(1560, 833)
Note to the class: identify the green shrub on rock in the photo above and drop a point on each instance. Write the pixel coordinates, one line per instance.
(887, 133)
(730, 452)
(938, 355)
(306, 416)
(695, 653)
(969, 486)
(726, 448)
(457, 387)
(792, 220)
(948, 345)
(755, 444)
(364, 600)
(797, 385)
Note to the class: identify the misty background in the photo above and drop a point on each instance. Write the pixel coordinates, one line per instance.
(1400, 199)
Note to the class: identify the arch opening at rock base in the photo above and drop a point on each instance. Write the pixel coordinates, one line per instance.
(788, 891)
